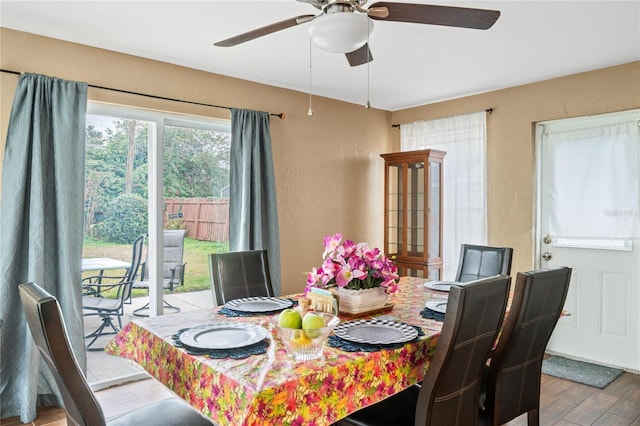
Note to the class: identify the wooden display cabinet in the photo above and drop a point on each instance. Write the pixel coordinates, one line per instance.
(413, 211)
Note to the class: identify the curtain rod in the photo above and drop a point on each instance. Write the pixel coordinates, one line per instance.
(280, 115)
(488, 111)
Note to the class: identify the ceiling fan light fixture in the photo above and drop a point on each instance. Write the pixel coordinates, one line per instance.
(340, 32)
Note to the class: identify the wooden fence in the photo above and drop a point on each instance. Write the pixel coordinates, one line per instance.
(204, 218)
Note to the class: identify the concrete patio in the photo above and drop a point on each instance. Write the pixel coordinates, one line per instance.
(104, 370)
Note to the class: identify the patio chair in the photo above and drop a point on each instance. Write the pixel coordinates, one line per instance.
(513, 377)
(449, 392)
(80, 404)
(478, 262)
(173, 268)
(239, 274)
(95, 301)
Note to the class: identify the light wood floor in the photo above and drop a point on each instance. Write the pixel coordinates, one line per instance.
(563, 403)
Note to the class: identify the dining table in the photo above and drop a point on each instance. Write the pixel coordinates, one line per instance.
(271, 388)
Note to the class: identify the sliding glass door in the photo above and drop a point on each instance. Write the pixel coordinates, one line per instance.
(145, 172)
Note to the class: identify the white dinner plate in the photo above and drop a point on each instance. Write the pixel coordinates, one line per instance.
(223, 336)
(259, 304)
(375, 331)
(438, 305)
(439, 285)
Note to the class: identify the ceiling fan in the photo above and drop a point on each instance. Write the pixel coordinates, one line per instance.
(343, 26)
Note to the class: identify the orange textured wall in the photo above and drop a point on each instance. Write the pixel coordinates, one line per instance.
(329, 174)
(511, 177)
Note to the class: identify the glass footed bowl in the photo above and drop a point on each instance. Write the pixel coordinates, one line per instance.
(304, 345)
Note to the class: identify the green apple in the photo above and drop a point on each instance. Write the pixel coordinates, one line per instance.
(290, 318)
(312, 321)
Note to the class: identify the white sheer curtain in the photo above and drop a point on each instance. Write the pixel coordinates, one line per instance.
(594, 171)
(463, 137)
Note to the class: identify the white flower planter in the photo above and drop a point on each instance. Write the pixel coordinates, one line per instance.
(359, 301)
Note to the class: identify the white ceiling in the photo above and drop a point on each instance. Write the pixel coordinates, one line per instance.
(413, 64)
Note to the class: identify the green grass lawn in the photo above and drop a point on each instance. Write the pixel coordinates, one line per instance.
(195, 255)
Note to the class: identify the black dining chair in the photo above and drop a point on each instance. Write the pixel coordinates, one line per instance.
(449, 392)
(96, 300)
(50, 336)
(477, 262)
(239, 274)
(513, 378)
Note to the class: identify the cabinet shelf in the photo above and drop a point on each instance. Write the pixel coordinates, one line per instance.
(412, 209)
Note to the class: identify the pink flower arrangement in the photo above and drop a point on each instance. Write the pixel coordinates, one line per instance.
(353, 266)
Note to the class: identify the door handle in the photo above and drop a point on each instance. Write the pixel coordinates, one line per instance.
(546, 255)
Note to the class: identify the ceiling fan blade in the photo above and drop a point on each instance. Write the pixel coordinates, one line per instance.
(463, 17)
(359, 56)
(262, 31)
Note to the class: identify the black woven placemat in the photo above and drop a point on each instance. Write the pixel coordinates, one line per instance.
(235, 353)
(431, 314)
(347, 346)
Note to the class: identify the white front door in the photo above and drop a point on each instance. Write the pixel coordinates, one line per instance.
(588, 220)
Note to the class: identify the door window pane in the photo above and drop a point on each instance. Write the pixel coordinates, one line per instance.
(115, 185)
(196, 182)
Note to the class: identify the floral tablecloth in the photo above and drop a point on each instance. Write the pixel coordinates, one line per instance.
(272, 389)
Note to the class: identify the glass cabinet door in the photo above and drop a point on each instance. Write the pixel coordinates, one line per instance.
(415, 210)
(394, 225)
(434, 210)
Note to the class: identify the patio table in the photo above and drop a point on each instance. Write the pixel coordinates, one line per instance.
(271, 388)
(103, 264)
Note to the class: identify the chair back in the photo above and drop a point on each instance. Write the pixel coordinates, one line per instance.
(513, 385)
(136, 259)
(478, 262)
(173, 264)
(173, 250)
(124, 292)
(239, 274)
(450, 390)
(50, 335)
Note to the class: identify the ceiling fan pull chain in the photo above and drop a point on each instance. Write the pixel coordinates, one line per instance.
(310, 111)
(368, 104)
